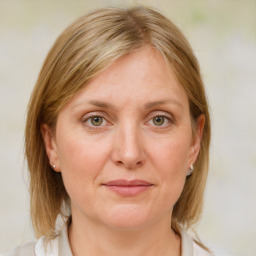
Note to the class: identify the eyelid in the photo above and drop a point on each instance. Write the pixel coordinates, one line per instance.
(90, 115)
(164, 114)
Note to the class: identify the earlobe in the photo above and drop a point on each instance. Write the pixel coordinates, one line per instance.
(198, 132)
(50, 146)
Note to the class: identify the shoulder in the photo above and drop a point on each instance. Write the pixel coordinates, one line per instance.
(24, 250)
(42, 247)
(38, 248)
(189, 247)
(199, 251)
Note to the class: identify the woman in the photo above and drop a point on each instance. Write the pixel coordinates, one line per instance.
(117, 139)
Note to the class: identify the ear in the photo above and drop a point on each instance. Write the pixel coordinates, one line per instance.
(50, 146)
(196, 139)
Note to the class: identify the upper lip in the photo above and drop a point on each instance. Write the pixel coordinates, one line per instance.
(127, 183)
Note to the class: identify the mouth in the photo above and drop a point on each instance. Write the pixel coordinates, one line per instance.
(128, 188)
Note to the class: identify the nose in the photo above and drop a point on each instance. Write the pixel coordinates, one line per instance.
(128, 148)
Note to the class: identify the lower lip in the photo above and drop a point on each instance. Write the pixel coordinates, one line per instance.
(128, 190)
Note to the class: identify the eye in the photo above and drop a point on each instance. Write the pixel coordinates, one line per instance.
(161, 121)
(94, 121)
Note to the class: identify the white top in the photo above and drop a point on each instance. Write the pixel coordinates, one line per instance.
(60, 247)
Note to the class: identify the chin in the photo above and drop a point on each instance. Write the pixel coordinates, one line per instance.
(127, 218)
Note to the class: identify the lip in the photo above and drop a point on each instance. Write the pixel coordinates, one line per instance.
(128, 183)
(128, 187)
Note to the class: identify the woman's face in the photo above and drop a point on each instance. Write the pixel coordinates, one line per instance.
(124, 144)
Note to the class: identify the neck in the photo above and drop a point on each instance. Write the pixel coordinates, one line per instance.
(94, 239)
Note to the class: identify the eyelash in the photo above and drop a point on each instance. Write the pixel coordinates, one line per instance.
(169, 119)
(91, 126)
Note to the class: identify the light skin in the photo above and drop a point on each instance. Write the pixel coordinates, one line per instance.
(131, 122)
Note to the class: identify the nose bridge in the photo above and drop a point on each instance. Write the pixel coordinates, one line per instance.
(129, 148)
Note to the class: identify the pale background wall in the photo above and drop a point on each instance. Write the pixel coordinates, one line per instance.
(223, 35)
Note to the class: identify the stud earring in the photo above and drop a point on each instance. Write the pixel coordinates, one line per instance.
(53, 166)
(190, 171)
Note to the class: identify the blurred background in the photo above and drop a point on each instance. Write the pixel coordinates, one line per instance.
(223, 36)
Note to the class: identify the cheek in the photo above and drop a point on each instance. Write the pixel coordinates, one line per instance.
(78, 151)
(172, 153)
(170, 159)
(81, 161)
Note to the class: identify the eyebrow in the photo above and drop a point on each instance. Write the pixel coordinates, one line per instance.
(148, 105)
(161, 102)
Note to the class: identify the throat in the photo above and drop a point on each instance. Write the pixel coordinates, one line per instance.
(125, 243)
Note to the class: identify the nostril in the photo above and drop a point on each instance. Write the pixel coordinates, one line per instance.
(129, 165)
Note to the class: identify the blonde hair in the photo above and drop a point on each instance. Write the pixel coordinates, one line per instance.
(83, 50)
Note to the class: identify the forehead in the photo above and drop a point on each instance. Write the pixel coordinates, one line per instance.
(139, 77)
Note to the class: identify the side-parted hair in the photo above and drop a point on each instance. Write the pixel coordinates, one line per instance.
(82, 51)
